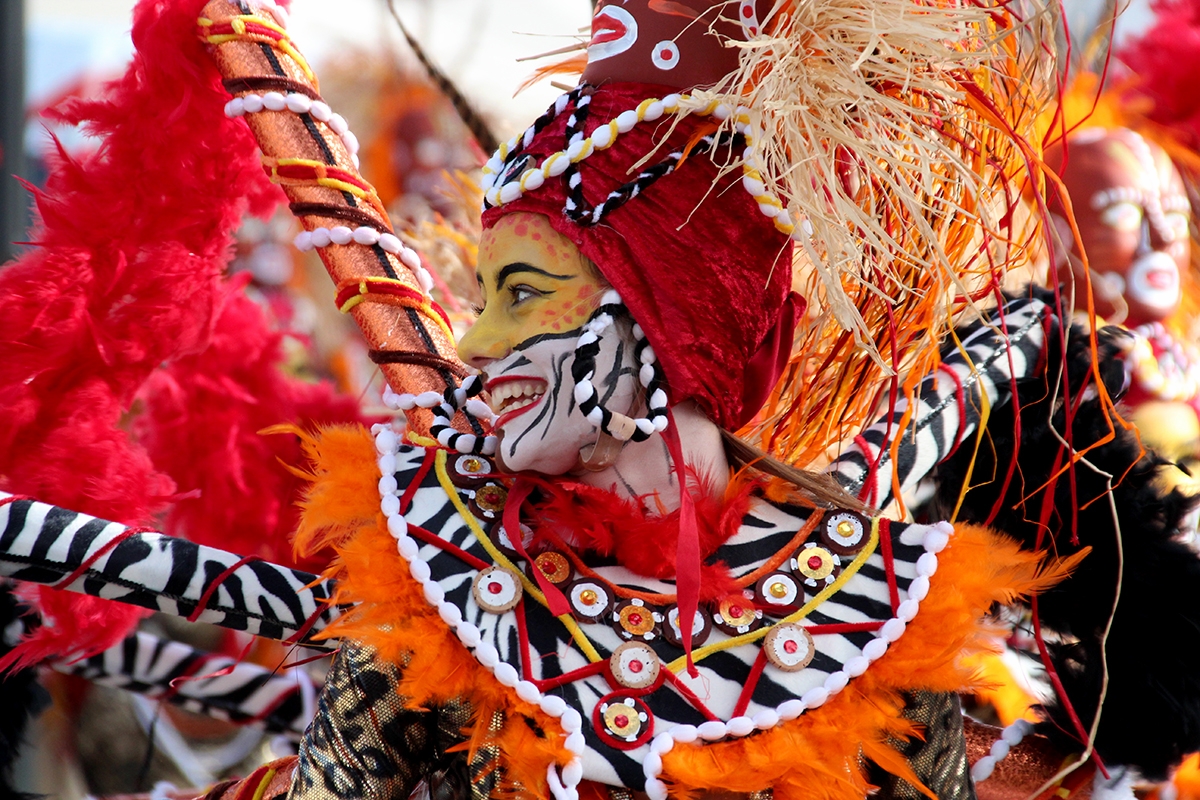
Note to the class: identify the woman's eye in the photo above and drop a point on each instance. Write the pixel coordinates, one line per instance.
(1123, 216)
(521, 293)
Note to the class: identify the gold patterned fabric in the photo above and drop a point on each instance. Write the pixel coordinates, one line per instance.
(364, 743)
(940, 761)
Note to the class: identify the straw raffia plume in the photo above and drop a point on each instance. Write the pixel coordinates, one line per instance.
(897, 134)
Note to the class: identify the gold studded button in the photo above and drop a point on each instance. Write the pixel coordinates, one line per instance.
(554, 566)
(816, 566)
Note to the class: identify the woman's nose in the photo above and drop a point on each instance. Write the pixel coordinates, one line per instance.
(483, 343)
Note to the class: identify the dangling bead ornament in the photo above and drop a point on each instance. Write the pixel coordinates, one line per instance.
(616, 425)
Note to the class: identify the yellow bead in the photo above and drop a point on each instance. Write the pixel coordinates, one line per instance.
(778, 590)
(588, 597)
(845, 528)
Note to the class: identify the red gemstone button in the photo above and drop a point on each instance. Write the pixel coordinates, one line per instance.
(495, 588)
(790, 646)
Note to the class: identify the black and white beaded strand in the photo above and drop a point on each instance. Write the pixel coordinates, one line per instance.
(650, 375)
(444, 406)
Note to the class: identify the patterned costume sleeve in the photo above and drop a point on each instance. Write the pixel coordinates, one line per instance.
(215, 685)
(363, 742)
(42, 543)
(950, 403)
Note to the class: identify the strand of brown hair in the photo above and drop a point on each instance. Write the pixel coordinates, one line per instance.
(818, 488)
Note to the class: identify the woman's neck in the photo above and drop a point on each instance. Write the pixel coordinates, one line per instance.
(646, 468)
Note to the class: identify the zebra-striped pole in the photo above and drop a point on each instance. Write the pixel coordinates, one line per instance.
(42, 543)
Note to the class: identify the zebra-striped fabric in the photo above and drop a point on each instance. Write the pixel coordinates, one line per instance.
(217, 686)
(949, 403)
(41, 543)
(542, 649)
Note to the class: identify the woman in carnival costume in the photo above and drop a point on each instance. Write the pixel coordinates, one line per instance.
(652, 622)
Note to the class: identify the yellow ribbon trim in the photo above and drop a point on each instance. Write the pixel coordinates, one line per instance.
(262, 786)
(531, 589)
(238, 24)
(849, 572)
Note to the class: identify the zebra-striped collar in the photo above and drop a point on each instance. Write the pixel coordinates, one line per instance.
(625, 699)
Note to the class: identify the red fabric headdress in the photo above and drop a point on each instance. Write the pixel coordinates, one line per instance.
(701, 269)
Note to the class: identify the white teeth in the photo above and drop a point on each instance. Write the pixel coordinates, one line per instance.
(512, 395)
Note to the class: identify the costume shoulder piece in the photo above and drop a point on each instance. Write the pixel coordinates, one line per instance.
(833, 612)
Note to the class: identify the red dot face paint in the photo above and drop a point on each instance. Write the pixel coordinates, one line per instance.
(558, 292)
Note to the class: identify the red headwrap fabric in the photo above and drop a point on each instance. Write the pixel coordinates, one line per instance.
(701, 269)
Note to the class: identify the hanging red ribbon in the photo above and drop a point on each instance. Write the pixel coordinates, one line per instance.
(687, 549)
(555, 600)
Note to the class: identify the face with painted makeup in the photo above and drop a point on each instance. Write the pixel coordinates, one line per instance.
(538, 292)
(1132, 215)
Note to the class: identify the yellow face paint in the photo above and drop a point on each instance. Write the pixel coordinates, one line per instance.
(534, 282)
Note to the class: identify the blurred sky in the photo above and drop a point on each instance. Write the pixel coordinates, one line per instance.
(476, 42)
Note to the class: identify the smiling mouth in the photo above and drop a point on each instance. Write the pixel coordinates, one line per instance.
(513, 396)
(614, 30)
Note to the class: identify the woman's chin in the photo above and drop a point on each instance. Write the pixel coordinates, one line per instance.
(545, 458)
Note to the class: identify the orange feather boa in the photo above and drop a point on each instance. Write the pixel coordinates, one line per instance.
(817, 755)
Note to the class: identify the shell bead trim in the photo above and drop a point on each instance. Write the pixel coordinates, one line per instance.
(934, 541)
(1010, 737)
(297, 103)
(508, 174)
(444, 406)
(619, 426)
(562, 787)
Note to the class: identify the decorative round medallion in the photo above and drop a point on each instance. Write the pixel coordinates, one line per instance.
(737, 614)
(844, 534)
(470, 471)
(590, 600)
(497, 590)
(488, 501)
(816, 566)
(633, 619)
(789, 647)
(555, 566)
(500, 538)
(622, 721)
(779, 591)
(665, 55)
(634, 665)
(701, 627)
